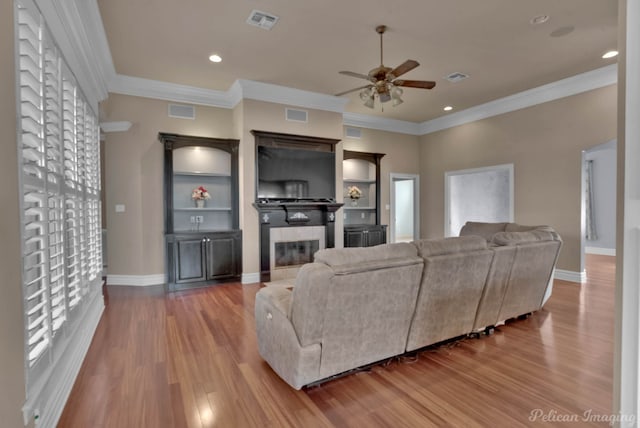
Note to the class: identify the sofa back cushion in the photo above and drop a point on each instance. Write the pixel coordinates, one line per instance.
(536, 252)
(357, 303)
(486, 230)
(455, 271)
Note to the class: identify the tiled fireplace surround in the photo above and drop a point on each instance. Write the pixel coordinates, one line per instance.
(289, 222)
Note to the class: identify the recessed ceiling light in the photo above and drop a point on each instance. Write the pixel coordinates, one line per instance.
(215, 58)
(610, 54)
(448, 108)
(540, 19)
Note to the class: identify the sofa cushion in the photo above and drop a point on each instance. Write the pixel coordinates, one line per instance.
(519, 238)
(336, 257)
(443, 246)
(486, 230)
(515, 227)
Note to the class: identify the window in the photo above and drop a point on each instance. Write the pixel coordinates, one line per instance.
(58, 144)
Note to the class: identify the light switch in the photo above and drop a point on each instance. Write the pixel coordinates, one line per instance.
(386, 207)
(119, 208)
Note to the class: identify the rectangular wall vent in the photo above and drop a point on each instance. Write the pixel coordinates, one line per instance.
(262, 19)
(351, 132)
(294, 115)
(456, 77)
(181, 111)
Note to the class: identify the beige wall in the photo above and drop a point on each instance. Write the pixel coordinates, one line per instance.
(401, 156)
(134, 172)
(134, 177)
(544, 143)
(12, 380)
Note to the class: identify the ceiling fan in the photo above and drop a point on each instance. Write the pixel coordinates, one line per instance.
(384, 83)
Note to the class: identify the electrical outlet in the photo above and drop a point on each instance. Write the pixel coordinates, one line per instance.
(362, 215)
(192, 219)
(199, 219)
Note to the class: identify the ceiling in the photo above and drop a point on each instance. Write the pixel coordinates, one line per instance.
(492, 41)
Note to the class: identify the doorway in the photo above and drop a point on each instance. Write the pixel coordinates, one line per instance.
(405, 207)
(479, 194)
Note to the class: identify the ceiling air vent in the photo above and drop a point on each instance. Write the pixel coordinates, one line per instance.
(262, 19)
(182, 111)
(456, 77)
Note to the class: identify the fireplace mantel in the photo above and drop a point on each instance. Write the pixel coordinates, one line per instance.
(292, 214)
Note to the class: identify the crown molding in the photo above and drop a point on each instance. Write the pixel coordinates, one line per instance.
(147, 88)
(380, 123)
(579, 83)
(290, 96)
(77, 28)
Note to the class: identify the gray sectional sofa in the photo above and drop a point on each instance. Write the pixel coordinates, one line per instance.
(356, 306)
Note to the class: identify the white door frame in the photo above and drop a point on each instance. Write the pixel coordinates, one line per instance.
(447, 190)
(395, 176)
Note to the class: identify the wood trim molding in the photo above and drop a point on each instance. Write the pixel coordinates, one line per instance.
(577, 84)
(571, 276)
(137, 280)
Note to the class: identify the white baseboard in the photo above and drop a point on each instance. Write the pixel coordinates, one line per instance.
(569, 275)
(600, 251)
(49, 398)
(250, 278)
(137, 280)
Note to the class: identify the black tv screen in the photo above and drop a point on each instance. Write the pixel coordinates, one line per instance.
(295, 174)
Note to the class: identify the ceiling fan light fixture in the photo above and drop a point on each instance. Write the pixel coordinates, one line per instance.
(383, 84)
(369, 102)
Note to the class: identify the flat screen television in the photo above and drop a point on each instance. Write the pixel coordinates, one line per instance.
(295, 174)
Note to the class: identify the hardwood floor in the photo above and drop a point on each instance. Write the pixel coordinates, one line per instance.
(190, 359)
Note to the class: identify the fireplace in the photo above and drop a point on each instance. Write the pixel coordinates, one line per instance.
(295, 199)
(292, 223)
(291, 247)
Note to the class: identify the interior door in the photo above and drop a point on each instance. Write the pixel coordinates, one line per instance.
(405, 203)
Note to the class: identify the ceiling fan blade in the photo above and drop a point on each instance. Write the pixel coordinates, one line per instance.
(422, 84)
(405, 67)
(352, 74)
(352, 90)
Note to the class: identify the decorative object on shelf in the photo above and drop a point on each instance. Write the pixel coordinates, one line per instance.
(354, 193)
(200, 194)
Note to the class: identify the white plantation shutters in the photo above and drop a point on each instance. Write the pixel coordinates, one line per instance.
(58, 141)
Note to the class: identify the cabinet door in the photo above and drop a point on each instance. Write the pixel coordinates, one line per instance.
(376, 236)
(189, 260)
(222, 257)
(354, 238)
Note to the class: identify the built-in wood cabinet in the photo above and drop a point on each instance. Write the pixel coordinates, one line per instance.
(204, 243)
(365, 235)
(202, 257)
(361, 174)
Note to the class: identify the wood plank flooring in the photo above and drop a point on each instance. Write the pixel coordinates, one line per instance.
(190, 359)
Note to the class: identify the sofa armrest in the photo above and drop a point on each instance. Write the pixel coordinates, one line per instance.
(277, 340)
(279, 299)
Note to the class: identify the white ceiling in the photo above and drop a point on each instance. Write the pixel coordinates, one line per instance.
(491, 40)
